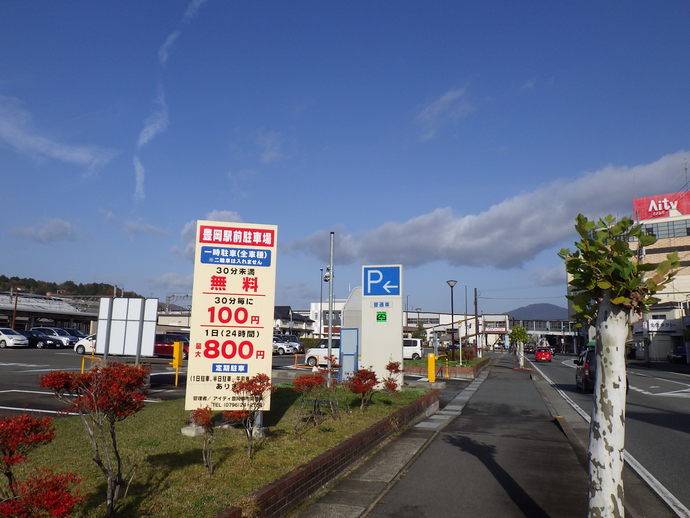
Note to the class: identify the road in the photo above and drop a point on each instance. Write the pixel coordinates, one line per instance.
(657, 419)
(21, 370)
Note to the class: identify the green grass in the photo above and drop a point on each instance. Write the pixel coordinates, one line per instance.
(171, 480)
(423, 362)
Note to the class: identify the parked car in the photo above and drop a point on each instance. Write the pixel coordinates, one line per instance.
(317, 355)
(412, 349)
(163, 345)
(586, 368)
(294, 341)
(678, 355)
(62, 336)
(280, 346)
(40, 340)
(86, 345)
(75, 332)
(11, 338)
(542, 354)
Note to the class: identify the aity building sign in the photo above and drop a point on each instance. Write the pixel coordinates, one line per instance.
(231, 325)
(662, 206)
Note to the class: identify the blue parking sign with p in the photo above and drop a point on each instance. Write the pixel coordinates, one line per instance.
(381, 280)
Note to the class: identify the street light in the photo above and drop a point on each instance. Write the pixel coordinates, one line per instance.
(321, 304)
(452, 284)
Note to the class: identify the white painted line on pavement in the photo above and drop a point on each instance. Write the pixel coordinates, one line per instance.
(656, 486)
(22, 409)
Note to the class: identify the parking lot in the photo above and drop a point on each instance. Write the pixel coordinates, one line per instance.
(21, 370)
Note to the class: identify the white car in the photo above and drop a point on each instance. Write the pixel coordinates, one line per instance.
(317, 355)
(11, 338)
(412, 349)
(86, 345)
(281, 347)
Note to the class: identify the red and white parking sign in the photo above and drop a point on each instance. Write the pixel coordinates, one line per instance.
(231, 325)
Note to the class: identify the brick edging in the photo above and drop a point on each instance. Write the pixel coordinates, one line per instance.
(276, 498)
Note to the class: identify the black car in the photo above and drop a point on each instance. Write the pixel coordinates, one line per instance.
(586, 368)
(529, 348)
(39, 340)
(678, 355)
(75, 332)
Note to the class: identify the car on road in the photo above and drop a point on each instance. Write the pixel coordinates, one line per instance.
(281, 346)
(11, 338)
(63, 337)
(529, 348)
(542, 354)
(586, 368)
(317, 355)
(40, 340)
(678, 355)
(294, 341)
(86, 345)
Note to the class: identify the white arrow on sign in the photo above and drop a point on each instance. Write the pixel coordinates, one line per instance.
(388, 286)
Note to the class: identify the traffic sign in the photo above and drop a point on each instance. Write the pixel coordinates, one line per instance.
(381, 280)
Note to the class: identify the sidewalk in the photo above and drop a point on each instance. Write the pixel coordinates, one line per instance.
(495, 450)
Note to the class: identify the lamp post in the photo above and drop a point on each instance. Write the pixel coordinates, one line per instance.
(452, 284)
(321, 304)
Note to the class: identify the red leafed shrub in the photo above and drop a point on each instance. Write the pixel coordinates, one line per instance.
(204, 417)
(390, 382)
(21, 434)
(115, 390)
(102, 397)
(308, 382)
(363, 383)
(331, 360)
(46, 494)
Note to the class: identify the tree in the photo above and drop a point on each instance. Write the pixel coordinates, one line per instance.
(611, 287)
(102, 397)
(203, 417)
(251, 393)
(518, 335)
(363, 382)
(420, 332)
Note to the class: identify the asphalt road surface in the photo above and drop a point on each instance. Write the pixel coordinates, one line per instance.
(657, 419)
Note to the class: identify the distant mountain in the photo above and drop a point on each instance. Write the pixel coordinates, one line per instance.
(539, 312)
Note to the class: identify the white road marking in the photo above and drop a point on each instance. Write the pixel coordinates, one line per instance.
(675, 504)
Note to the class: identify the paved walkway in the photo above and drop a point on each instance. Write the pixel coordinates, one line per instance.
(494, 450)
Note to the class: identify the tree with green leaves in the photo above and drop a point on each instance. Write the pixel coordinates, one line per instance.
(610, 288)
(518, 335)
(420, 332)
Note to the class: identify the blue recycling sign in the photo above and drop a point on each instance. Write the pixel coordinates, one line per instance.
(382, 280)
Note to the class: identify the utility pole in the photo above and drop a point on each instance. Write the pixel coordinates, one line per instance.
(321, 304)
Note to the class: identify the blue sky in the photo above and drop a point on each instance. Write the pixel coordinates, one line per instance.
(460, 139)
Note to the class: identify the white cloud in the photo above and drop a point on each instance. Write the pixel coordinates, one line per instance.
(270, 145)
(47, 231)
(551, 277)
(447, 109)
(529, 84)
(188, 232)
(192, 8)
(508, 234)
(155, 123)
(141, 227)
(172, 282)
(165, 48)
(239, 182)
(17, 133)
(139, 176)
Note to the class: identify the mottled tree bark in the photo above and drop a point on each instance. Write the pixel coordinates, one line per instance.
(521, 354)
(607, 428)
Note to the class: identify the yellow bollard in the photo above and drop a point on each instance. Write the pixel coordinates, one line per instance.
(177, 359)
(431, 367)
(446, 373)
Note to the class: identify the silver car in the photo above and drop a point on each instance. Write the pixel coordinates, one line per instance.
(11, 338)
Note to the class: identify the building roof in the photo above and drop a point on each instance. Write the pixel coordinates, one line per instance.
(31, 303)
(285, 312)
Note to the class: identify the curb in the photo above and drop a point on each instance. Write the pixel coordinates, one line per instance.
(641, 500)
(278, 497)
